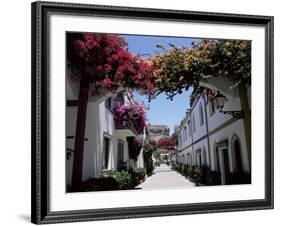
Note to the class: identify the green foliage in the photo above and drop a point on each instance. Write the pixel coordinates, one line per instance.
(141, 172)
(181, 68)
(183, 169)
(112, 180)
(148, 163)
(137, 176)
(189, 171)
(178, 167)
(199, 175)
(157, 156)
(123, 178)
(149, 151)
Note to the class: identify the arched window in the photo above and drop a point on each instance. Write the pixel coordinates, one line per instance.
(216, 157)
(204, 158)
(199, 158)
(188, 159)
(193, 124)
(189, 128)
(201, 117)
(185, 133)
(236, 148)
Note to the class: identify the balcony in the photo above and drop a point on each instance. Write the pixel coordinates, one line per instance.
(125, 129)
(129, 119)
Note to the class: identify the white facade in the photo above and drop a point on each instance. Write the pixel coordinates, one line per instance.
(209, 138)
(105, 147)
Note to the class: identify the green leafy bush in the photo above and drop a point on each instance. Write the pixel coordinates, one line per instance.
(212, 178)
(137, 176)
(123, 178)
(198, 173)
(141, 172)
(189, 171)
(177, 167)
(148, 161)
(182, 169)
(202, 175)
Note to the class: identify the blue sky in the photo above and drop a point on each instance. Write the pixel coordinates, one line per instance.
(161, 111)
(147, 44)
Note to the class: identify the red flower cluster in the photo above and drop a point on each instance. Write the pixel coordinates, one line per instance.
(166, 143)
(105, 62)
(135, 146)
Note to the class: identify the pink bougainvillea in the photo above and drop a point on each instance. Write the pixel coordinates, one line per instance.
(134, 146)
(130, 115)
(104, 61)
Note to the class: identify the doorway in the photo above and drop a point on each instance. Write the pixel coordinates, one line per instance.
(238, 158)
(225, 165)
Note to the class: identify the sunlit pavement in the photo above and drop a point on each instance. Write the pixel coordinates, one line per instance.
(165, 177)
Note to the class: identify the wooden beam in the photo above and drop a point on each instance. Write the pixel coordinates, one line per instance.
(80, 134)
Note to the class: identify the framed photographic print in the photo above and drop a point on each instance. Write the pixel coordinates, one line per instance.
(142, 112)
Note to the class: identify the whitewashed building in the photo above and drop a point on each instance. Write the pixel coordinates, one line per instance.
(207, 137)
(105, 147)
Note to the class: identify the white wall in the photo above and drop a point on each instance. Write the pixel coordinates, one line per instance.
(213, 121)
(226, 134)
(218, 119)
(200, 130)
(15, 119)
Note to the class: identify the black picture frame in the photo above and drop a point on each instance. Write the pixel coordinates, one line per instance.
(40, 211)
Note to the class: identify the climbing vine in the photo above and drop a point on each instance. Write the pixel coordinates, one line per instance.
(177, 68)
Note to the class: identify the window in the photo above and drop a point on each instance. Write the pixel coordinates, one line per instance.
(185, 133)
(212, 107)
(193, 122)
(199, 158)
(109, 103)
(106, 148)
(236, 148)
(120, 154)
(188, 159)
(204, 157)
(201, 117)
(179, 140)
(189, 128)
(167, 131)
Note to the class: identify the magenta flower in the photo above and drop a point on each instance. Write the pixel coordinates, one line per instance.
(105, 60)
(107, 83)
(130, 115)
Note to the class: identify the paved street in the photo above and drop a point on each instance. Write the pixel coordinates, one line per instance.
(165, 177)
